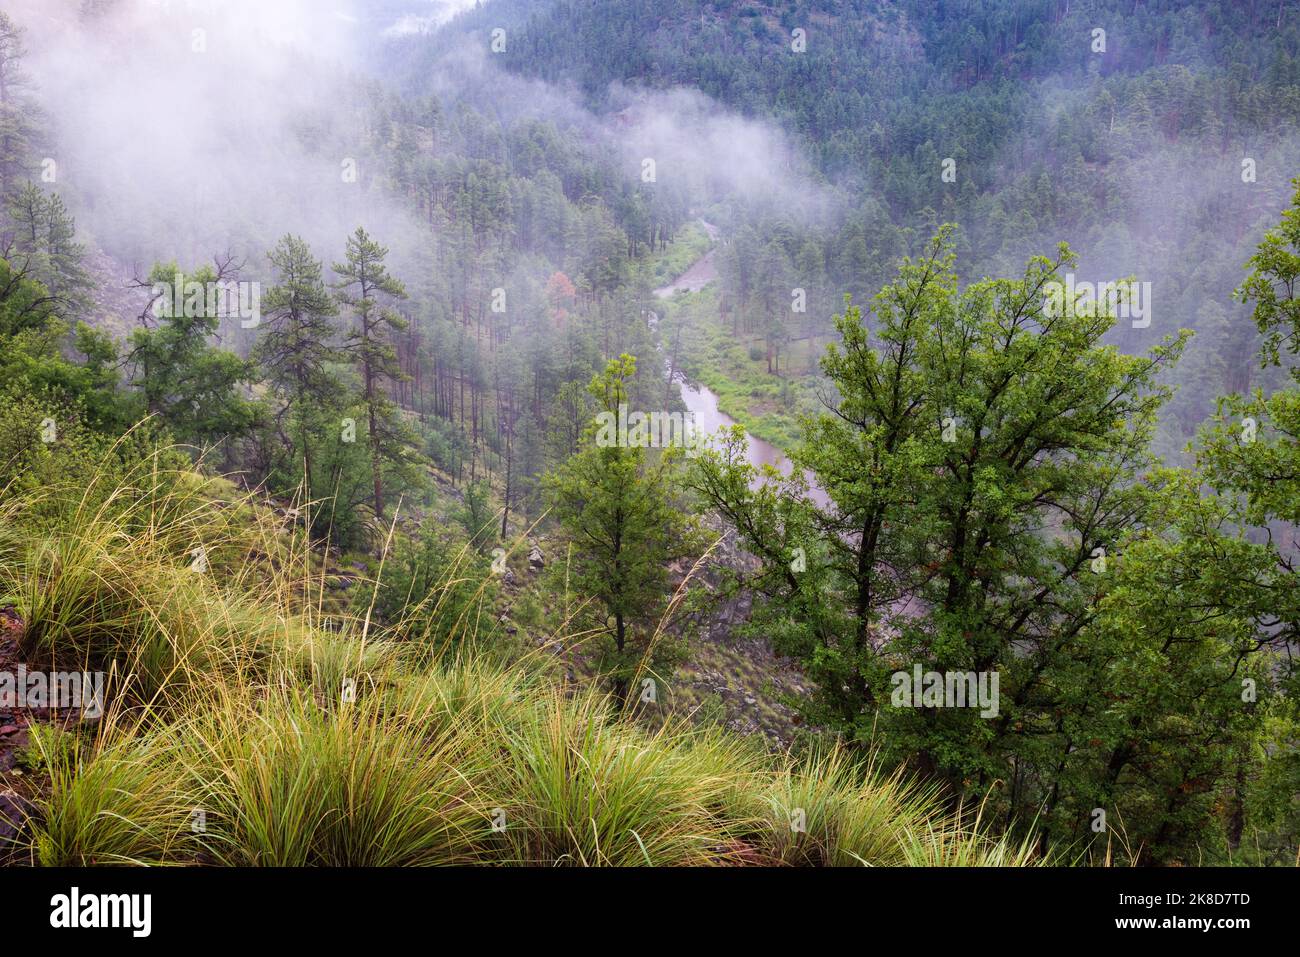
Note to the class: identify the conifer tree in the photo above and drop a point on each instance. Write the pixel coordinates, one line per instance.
(298, 345)
(619, 507)
(368, 290)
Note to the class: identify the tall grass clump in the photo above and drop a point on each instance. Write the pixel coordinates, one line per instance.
(286, 782)
(110, 801)
(833, 810)
(584, 789)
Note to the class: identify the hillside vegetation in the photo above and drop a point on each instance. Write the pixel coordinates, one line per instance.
(345, 367)
(244, 730)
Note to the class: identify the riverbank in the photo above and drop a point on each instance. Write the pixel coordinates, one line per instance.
(695, 331)
(707, 352)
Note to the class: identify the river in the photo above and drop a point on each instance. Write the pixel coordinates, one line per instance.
(702, 403)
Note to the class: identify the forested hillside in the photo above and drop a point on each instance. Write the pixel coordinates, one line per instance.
(1133, 153)
(355, 370)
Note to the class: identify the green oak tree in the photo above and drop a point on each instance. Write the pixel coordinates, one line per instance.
(979, 456)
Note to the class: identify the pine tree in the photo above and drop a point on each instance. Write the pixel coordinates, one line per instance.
(368, 290)
(16, 120)
(44, 234)
(621, 512)
(298, 346)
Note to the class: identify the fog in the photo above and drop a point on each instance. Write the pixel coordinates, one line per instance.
(184, 130)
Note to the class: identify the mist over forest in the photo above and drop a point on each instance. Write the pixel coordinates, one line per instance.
(688, 432)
